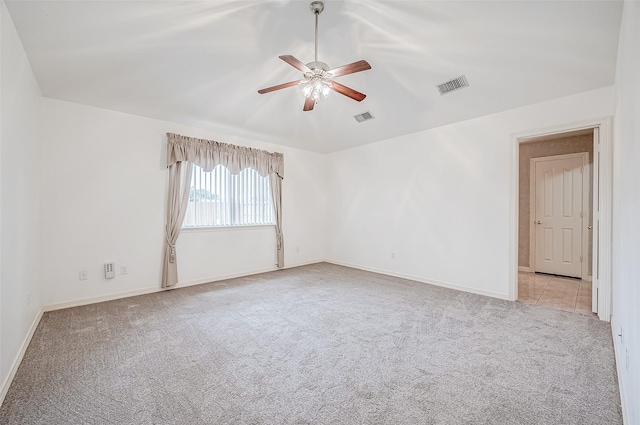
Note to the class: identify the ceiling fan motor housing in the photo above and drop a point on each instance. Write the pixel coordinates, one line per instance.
(317, 65)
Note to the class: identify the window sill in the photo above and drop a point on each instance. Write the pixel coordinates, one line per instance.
(226, 228)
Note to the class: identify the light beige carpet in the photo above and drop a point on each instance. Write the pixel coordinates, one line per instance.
(319, 344)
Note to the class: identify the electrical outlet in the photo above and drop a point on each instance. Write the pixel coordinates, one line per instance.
(109, 270)
(124, 270)
(83, 275)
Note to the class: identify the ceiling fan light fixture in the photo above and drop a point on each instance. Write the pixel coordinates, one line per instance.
(316, 88)
(316, 84)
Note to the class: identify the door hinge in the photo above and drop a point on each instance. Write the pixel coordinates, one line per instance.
(581, 258)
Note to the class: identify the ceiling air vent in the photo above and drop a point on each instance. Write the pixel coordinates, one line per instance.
(364, 117)
(452, 85)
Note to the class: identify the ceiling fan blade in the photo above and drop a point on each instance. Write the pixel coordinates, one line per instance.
(278, 87)
(350, 69)
(308, 104)
(295, 63)
(349, 92)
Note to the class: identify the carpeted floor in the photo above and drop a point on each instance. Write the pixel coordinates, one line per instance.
(319, 344)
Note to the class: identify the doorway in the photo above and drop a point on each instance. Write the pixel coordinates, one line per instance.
(600, 234)
(554, 218)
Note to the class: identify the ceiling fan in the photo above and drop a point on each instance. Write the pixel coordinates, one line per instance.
(317, 82)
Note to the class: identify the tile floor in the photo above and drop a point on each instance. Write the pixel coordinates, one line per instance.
(563, 293)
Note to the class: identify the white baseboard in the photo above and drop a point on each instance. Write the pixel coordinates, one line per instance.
(423, 280)
(18, 359)
(103, 298)
(144, 291)
(228, 276)
(619, 356)
(236, 275)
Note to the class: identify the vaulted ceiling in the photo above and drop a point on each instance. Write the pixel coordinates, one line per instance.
(201, 63)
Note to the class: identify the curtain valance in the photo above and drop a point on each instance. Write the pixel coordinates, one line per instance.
(207, 154)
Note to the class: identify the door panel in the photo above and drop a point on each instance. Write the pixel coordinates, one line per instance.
(567, 201)
(558, 212)
(567, 245)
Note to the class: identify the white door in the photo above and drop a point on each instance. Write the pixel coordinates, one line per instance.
(558, 214)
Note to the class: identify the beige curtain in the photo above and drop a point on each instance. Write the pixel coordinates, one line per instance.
(178, 198)
(276, 194)
(184, 152)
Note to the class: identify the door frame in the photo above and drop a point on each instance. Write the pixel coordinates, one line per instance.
(602, 191)
(586, 183)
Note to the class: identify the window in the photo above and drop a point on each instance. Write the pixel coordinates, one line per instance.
(219, 198)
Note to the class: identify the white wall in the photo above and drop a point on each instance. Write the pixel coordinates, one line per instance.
(104, 199)
(20, 171)
(441, 199)
(626, 212)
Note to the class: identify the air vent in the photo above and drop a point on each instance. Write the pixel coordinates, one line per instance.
(364, 117)
(455, 84)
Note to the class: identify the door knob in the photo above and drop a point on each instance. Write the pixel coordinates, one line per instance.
(589, 227)
(539, 222)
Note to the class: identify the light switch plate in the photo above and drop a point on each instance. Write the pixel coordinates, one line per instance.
(109, 270)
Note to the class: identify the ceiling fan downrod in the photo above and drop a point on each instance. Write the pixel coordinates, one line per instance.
(317, 7)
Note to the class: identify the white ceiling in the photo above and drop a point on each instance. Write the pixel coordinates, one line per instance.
(201, 63)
